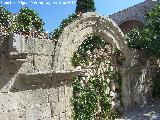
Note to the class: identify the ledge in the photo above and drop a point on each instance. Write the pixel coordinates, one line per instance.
(48, 79)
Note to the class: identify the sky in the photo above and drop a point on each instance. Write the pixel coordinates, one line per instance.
(54, 11)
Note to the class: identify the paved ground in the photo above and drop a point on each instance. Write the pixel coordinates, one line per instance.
(150, 111)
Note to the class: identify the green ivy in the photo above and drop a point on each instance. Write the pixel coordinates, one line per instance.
(90, 95)
(86, 100)
(91, 43)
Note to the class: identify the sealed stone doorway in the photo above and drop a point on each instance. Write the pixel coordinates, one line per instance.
(97, 90)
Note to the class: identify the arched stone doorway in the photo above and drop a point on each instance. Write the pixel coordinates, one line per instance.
(75, 33)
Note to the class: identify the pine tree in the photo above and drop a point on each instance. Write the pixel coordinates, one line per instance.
(84, 6)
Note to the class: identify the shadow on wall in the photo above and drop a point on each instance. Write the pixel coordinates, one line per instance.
(8, 68)
(43, 80)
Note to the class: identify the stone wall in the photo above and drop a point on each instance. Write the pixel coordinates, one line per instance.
(21, 55)
(136, 12)
(35, 75)
(41, 93)
(40, 104)
(140, 70)
(29, 88)
(137, 81)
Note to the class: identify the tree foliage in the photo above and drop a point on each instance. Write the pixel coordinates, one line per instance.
(25, 22)
(84, 6)
(6, 19)
(147, 38)
(29, 21)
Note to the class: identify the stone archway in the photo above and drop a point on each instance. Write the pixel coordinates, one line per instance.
(75, 33)
(129, 25)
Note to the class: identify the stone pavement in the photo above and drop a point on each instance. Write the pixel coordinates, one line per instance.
(151, 111)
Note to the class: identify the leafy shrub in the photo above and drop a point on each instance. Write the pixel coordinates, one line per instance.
(28, 21)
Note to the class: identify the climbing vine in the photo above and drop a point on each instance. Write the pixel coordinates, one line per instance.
(57, 32)
(92, 99)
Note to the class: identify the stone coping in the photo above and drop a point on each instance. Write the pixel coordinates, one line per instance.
(52, 72)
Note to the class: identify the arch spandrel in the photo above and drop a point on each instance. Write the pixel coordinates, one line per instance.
(75, 33)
